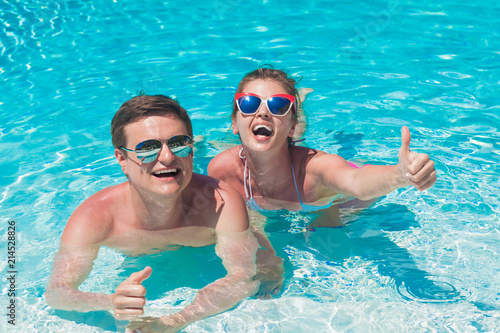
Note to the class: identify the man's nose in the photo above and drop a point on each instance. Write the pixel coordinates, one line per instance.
(166, 154)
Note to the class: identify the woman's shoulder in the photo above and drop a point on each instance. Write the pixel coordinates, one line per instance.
(305, 154)
(225, 163)
(310, 159)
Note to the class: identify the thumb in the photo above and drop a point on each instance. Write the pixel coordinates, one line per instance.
(138, 277)
(405, 141)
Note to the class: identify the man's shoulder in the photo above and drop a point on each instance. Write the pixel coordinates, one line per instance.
(93, 219)
(230, 210)
(213, 187)
(105, 201)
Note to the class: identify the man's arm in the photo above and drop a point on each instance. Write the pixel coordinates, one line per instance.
(372, 181)
(79, 247)
(237, 251)
(236, 246)
(70, 268)
(270, 270)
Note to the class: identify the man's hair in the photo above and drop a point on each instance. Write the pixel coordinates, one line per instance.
(268, 73)
(144, 106)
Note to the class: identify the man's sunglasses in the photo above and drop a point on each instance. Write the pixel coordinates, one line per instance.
(278, 105)
(147, 151)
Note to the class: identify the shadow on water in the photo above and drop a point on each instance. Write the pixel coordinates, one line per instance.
(349, 143)
(365, 237)
(100, 319)
(186, 267)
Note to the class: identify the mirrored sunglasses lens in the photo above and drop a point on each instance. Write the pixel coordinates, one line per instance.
(177, 141)
(179, 145)
(147, 151)
(278, 105)
(183, 151)
(148, 158)
(148, 145)
(248, 104)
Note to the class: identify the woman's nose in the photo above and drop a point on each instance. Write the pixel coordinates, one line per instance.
(263, 111)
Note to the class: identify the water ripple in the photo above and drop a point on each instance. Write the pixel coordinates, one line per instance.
(67, 66)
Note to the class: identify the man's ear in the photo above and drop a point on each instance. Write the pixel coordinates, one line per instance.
(120, 156)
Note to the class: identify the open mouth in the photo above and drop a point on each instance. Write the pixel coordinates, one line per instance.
(166, 173)
(262, 130)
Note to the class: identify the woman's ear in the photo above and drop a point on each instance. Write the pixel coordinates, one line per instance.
(292, 130)
(234, 127)
(120, 156)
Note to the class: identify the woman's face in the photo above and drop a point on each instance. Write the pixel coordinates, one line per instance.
(263, 131)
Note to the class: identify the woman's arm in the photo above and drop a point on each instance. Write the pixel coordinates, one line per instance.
(371, 181)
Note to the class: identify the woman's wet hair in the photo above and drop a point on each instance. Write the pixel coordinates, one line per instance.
(144, 106)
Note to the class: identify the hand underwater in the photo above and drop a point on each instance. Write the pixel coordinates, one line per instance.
(130, 296)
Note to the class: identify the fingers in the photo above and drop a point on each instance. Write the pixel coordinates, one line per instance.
(141, 325)
(128, 313)
(419, 162)
(421, 172)
(426, 182)
(405, 140)
(417, 169)
(132, 290)
(277, 289)
(404, 151)
(138, 277)
(268, 293)
(129, 300)
(130, 296)
(269, 288)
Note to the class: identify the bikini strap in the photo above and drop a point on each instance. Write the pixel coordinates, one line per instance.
(295, 182)
(295, 141)
(245, 176)
(248, 192)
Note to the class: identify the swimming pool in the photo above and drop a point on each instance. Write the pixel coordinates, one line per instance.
(413, 262)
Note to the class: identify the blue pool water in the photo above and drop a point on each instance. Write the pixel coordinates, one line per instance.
(413, 262)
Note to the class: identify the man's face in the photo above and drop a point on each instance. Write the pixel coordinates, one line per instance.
(168, 174)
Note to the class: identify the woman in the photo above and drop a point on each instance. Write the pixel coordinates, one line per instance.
(273, 174)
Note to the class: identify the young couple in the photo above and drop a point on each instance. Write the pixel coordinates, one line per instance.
(164, 203)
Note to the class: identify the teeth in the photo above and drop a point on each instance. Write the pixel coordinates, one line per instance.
(165, 171)
(262, 126)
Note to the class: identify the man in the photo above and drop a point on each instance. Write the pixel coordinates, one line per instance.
(163, 203)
